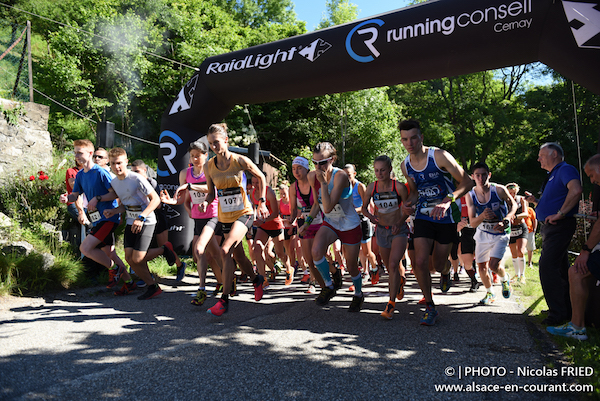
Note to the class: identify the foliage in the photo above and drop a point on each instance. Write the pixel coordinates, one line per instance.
(12, 115)
(338, 12)
(33, 197)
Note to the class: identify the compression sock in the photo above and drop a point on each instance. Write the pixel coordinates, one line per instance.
(516, 266)
(323, 268)
(521, 263)
(357, 282)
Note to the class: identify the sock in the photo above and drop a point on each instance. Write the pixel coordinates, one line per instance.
(201, 288)
(521, 263)
(357, 281)
(129, 281)
(306, 271)
(323, 268)
(489, 289)
(471, 273)
(577, 327)
(516, 266)
(225, 297)
(504, 278)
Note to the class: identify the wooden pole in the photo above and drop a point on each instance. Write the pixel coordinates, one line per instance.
(29, 62)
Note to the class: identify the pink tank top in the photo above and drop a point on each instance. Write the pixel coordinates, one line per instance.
(197, 197)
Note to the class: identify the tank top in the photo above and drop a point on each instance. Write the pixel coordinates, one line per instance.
(231, 189)
(386, 202)
(276, 223)
(356, 199)
(496, 205)
(433, 185)
(343, 216)
(305, 203)
(197, 197)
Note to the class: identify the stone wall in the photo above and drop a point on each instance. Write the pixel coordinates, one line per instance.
(26, 147)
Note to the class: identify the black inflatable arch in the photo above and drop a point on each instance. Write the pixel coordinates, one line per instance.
(426, 41)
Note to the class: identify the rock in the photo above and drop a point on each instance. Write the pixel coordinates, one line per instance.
(5, 221)
(58, 235)
(48, 261)
(21, 248)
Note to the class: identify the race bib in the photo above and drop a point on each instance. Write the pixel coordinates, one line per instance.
(197, 197)
(133, 212)
(337, 212)
(489, 227)
(516, 231)
(94, 216)
(231, 199)
(386, 203)
(306, 212)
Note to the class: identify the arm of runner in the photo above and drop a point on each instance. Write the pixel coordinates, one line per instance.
(366, 198)
(409, 206)
(110, 196)
(340, 182)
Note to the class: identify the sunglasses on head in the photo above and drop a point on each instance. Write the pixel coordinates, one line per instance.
(321, 162)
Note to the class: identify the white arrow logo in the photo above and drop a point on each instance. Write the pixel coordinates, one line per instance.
(588, 16)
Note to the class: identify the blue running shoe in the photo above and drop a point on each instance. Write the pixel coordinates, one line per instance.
(430, 316)
(567, 330)
(181, 271)
(506, 289)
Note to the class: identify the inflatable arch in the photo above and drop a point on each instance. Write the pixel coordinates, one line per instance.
(421, 42)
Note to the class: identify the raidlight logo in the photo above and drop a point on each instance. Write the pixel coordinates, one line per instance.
(168, 145)
(584, 20)
(370, 36)
(264, 61)
(315, 49)
(185, 97)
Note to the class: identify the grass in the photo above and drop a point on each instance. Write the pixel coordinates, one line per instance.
(578, 353)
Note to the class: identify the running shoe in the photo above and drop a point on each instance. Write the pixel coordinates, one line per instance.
(495, 278)
(456, 276)
(488, 299)
(375, 277)
(289, 278)
(266, 284)
(357, 303)
(388, 313)
(506, 289)
(445, 283)
(305, 279)
(233, 291)
(312, 289)
(423, 301)
(126, 289)
(169, 253)
(181, 272)
(258, 288)
(400, 294)
(152, 291)
(325, 295)
(199, 298)
(351, 288)
(474, 285)
(114, 275)
(337, 279)
(430, 316)
(218, 289)
(567, 330)
(220, 307)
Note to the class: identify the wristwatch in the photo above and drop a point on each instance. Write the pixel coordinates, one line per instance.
(261, 200)
(451, 196)
(99, 198)
(584, 247)
(141, 218)
(506, 222)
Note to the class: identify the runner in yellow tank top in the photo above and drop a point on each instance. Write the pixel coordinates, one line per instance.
(225, 172)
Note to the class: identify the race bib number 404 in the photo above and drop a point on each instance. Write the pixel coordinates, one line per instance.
(231, 199)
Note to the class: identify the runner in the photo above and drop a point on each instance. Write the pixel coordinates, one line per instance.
(518, 233)
(341, 222)
(305, 200)
(225, 173)
(387, 195)
(467, 244)
(207, 229)
(429, 172)
(491, 208)
(289, 229)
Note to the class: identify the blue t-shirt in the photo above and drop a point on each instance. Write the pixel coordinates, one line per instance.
(93, 183)
(556, 191)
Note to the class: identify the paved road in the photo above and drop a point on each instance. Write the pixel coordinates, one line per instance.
(88, 344)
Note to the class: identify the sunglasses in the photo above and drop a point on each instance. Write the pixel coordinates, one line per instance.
(99, 157)
(321, 162)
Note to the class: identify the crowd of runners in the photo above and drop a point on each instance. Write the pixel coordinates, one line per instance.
(324, 226)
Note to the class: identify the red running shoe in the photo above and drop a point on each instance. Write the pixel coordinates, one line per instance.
(220, 307)
(258, 288)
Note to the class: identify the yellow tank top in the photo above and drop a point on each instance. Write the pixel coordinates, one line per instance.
(231, 189)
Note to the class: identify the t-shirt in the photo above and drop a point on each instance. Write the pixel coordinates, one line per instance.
(133, 193)
(555, 191)
(71, 173)
(93, 183)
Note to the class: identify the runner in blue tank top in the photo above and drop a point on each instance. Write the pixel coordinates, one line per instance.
(429, 174)
(491, 209)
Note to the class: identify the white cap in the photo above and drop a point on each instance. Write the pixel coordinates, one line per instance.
(301, 161)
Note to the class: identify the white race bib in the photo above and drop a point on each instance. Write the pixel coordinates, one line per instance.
(94, 216)
(387, 205)
(231, 199)
(133, 212)
(197, 197)
(489, 227)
